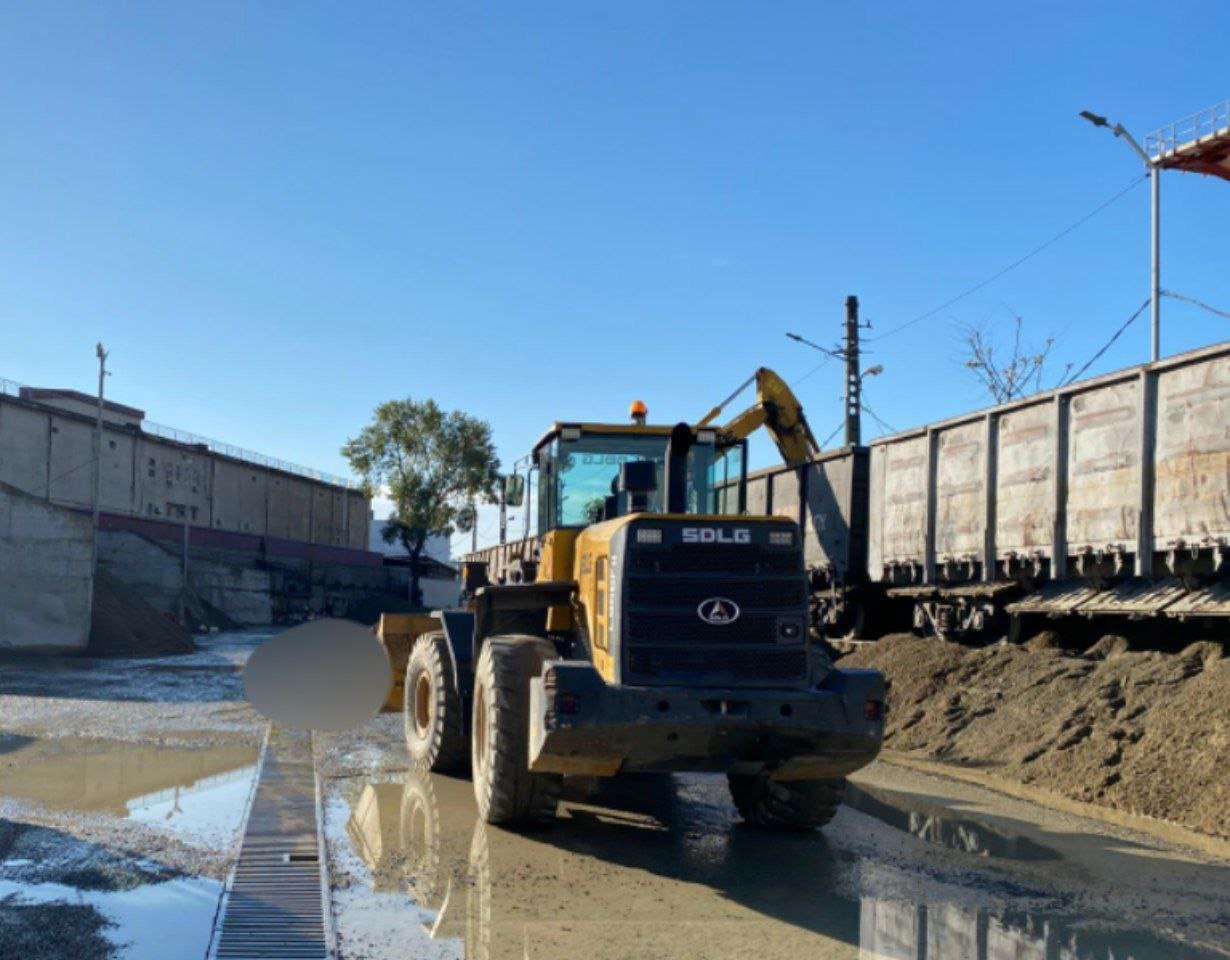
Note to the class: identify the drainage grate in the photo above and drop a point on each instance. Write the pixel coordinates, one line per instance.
(275, 904)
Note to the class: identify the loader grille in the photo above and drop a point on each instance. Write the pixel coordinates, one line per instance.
(666, 641)
(716, 559)
(687, 592)
(688, 628)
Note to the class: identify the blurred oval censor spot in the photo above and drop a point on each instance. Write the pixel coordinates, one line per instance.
(325, 675)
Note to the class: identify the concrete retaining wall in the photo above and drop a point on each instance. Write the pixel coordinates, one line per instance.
(46, 584)
(252, 589)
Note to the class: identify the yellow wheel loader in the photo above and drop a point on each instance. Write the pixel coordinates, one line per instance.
(662, 630)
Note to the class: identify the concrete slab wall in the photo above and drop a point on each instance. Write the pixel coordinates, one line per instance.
(46, 585)
(240, 497)
(49, 453)
(290, 508)
(71, 458)
(23, 448)
(358, 520)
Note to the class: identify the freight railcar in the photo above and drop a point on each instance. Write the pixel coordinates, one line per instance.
(1106, 497)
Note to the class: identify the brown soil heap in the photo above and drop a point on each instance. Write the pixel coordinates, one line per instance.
(123, 623)
(1141, 731)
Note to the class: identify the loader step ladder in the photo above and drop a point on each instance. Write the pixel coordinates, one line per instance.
(275, 902)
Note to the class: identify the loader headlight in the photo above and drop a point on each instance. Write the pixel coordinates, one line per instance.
(649, 535)
(781, 538)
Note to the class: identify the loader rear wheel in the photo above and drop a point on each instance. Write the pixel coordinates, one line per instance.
(506, 789)
(786, 805)
(435, 728)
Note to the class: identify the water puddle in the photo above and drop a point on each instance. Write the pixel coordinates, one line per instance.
(939, 825)
(198, 792)
(150, 922)
(664, 871)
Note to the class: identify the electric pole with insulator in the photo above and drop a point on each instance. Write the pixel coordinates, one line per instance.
(854, 380)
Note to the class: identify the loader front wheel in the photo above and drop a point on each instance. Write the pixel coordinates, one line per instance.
(785, 805)
(506, 789)
(435, 729)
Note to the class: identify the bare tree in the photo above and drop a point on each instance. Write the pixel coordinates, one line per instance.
(1007, 373)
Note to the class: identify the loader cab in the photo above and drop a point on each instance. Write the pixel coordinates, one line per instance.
(593, 472)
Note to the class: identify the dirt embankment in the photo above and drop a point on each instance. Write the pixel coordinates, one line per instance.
(123, 623)
(1139, 731)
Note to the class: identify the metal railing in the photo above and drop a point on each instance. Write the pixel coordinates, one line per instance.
(1206, 123)
(239, 453)
(12, 388)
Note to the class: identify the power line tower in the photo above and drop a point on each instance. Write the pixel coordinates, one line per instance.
(854, 379)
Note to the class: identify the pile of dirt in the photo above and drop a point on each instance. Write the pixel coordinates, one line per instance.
(122, 623)
(1141, 731)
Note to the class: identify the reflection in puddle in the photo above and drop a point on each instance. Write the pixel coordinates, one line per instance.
(150, 922)
(939, 825)
(199, 792)
(626, 874)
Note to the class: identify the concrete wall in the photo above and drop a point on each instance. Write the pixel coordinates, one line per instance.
(236, 586)
(45, 579)
(48, 452)
(252, 589)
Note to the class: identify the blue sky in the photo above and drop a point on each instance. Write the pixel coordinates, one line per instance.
(278, 215)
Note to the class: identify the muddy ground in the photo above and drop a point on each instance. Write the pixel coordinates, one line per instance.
(914, 867)
(1145, 732)
(122, 786)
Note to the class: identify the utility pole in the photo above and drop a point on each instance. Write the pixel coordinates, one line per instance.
(854, 379)
(1155, 229)
(98, 424)
(503, 510)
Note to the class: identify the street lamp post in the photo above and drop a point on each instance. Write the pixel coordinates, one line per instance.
(1155, 203)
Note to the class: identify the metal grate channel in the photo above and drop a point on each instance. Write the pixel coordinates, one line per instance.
(274, 907)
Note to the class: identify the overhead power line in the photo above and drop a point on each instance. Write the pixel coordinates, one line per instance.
(1016, 263)
(1199, 303)
(836, 431)
(876, 417)
(1106, 346)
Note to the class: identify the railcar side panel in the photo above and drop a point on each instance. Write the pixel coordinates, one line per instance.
(1025, 488)
(960, 492)
(903, 501)
(1104, 468)
(1192, 479)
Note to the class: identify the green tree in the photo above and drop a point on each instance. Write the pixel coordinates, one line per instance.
(431, 463)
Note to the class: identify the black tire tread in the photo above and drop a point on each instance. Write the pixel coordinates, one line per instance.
(446, 748)
(786, 805)
(510, 792)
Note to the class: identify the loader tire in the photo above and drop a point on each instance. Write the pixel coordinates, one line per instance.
(786, 805)
(435, 726)
(506, 790)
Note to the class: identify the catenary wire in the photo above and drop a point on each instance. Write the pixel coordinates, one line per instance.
(1016, 263)
(1106, 346)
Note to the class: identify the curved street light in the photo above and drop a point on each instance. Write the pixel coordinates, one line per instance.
(1155, 285)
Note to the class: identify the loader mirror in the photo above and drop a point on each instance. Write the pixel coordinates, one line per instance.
(514, 490)
(638, 476)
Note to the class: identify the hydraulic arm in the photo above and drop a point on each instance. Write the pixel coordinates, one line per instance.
(776, 409)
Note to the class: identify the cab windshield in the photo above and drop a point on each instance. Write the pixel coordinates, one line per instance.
(576, 476)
